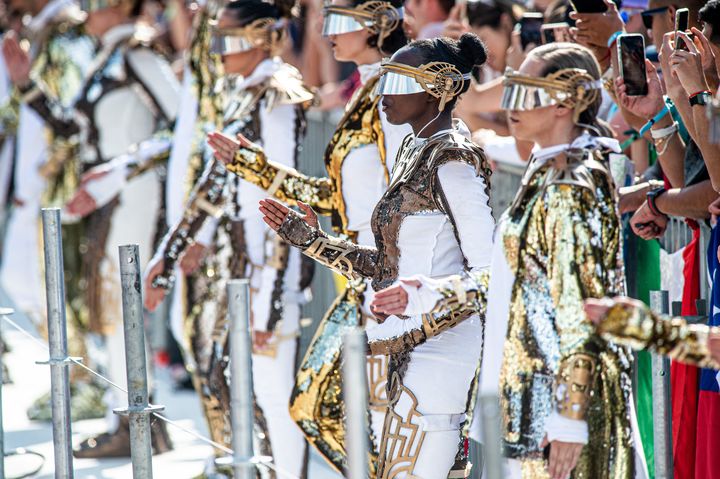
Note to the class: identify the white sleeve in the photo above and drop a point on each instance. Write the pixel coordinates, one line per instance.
(157, 76)
(560, 428)
(468, 202)
(278, 130)
(206, 232)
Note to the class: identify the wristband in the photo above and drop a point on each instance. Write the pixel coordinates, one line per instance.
(652, 196)
(664, 132)
(700, 98)
(660, 115)
(613, 38)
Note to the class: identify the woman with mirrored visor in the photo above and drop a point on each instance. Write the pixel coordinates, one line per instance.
(434, 221)
(358, 159)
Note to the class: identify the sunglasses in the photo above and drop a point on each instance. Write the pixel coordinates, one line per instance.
(647, 15)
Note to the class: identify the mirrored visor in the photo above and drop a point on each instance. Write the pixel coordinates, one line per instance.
(227, 45)
(337, 24)
(523, 97)
(392, 83)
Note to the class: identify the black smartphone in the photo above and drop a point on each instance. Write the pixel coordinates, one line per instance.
(682, 20)
(530, 27)
(555, 32)
(589, 6)
(631, 57)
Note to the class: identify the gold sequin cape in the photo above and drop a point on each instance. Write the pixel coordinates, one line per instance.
(562, 241)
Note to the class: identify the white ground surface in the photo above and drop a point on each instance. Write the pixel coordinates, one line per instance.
(31, 380)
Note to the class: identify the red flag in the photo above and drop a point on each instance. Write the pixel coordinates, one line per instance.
(684, 378)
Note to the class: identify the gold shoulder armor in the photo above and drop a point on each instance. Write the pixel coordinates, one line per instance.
(286, 87)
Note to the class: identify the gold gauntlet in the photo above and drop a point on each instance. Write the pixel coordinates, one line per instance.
(284, 183)
(460, 293)
(640, 328)
(574, 385)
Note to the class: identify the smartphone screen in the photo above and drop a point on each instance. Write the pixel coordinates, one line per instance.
(682, 18)
(555, 32)
(530, 27)
(589, 6)
(631, 52)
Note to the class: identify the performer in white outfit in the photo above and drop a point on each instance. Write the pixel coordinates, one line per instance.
(433, 221)
(358, 159)
(130, 93)
(264, 99)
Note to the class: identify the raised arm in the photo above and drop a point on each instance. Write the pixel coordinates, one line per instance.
(288, 185)
(631, 323)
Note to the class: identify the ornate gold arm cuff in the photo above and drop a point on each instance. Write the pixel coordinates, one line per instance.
(399, 344)
(574, 385)
(466, 292)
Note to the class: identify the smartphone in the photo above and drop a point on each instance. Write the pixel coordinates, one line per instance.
(631, 58)
(555, 32)
(530, 25)
(682, 19)
(589, 6)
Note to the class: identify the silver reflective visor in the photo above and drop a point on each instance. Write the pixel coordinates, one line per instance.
(336, 24)
(92, 5)
(522, 97)
(227, 45)
(392, 83)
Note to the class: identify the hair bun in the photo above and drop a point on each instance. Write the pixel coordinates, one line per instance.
(472, 49)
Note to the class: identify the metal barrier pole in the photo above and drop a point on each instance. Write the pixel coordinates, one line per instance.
(492, 436)
(138, 409)
(662, 405)
(57, 339)
(3, 312)
(242, 414)
(354, 371)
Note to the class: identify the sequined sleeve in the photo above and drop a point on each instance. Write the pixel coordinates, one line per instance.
(342, 256)
(580, 229)
(284, 183)
(639, 328)
(203, 203)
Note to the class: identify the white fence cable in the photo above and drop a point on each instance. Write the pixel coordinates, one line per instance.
(280, 471)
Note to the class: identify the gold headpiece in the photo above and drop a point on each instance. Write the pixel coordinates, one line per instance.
(377, 17)
(440, 79)
(572, 88)
(266, 33)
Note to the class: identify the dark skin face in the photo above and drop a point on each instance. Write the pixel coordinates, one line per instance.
(416, 109)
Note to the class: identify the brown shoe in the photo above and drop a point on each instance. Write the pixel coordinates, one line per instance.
(116, 444)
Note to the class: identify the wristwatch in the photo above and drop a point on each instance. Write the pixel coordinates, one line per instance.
(702, 98)
(653, 195)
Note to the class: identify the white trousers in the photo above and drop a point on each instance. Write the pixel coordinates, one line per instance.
(273, 380)
(133, 222)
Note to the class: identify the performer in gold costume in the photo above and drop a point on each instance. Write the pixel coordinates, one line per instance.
(358, 161)
(564, 391)
(433, 221)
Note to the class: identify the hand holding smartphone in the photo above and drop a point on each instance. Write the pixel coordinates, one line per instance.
(631, 59)
(682, 20)
(555, 32)
(530, 29)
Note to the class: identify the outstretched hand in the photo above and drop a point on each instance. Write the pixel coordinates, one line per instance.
(17, 60)
(224, 147)
(274, 213)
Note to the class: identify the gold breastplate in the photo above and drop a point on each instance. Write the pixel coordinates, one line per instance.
(360, 126)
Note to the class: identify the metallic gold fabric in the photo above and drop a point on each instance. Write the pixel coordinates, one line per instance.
(562, 241)
(640, 328)
(316, 403)
(575, 382)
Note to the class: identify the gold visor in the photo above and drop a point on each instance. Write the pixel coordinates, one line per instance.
(265, 33)
(377, 17)
(439, 79)
(570, 87)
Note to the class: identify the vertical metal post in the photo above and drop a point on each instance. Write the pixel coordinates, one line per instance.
(354, 372)
(138, 410)
(662, 405)
(492, 435)
(3, 312)
(241, 383)
(57, 338)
